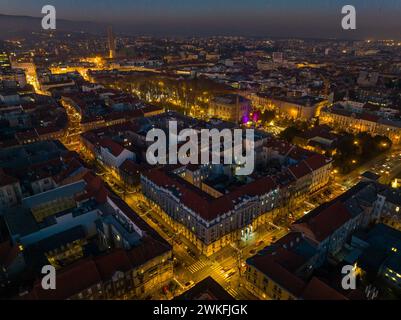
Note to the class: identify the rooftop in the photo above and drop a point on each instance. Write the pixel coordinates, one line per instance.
(207, 289)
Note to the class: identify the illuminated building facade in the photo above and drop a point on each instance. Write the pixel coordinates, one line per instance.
(213, 214)
(342, 118)
(230, 107)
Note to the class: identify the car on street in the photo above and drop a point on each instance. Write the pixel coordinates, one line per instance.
(191, 253)
(230, 273)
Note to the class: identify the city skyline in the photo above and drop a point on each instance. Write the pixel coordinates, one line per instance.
(139, 165)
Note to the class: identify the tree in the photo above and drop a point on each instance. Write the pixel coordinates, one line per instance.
(267, 116)
(289, 133)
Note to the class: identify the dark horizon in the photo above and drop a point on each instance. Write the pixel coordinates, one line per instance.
(311, 19)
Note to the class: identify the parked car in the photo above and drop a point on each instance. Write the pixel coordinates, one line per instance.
(191, 253)
(230, 273)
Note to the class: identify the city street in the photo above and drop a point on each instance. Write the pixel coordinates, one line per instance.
(225, 266)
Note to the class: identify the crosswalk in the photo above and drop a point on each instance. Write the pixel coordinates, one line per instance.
(217, 272)
(219, 275)
(234, 293)
(197, 266)
(202, 264)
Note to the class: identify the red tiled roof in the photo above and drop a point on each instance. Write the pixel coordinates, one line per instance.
(202, 203)
(299, 154)
(369, 117)
(114, 148)
(124, 99)
(70, 281)
(8, 253)
(318, 131)
(131, 167)
(150, 108)
(371, 107)
(46, 130)
(341, 112)
(300, 170)
(281, 146)
(95, 187)
(6, 179)
(316, 161)
(286, 240)
(26, 135)
(258, 187)
(324, 220)
(272, 267)
(114, 116)
(72, 165)
(149, 249)
(29, 106)
(108, 264)
(318, 290)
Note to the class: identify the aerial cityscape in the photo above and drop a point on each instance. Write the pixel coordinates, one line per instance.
(275, 175)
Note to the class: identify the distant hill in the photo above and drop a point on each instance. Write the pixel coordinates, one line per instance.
(23, 25)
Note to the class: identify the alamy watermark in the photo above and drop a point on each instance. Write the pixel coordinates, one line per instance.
(49, 20)
(49, 279)
(183, 147)
(349, 282)
(349, 279)
(348, 22)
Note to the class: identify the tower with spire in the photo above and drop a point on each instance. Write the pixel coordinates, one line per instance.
(111, 43)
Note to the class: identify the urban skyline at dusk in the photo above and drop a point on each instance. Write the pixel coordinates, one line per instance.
(200, 158)
(319, 19)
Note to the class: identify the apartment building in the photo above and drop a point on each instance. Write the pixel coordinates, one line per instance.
(100, 247)
(230, 107)
(285, 269)
(351, 119)
(212, 208)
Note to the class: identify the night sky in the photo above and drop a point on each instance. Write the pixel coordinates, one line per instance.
(312, 18)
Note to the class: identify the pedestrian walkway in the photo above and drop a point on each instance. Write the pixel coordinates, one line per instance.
(233, 292)
(197, 266)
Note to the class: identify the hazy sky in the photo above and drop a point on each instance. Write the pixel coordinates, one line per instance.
(314, 18)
